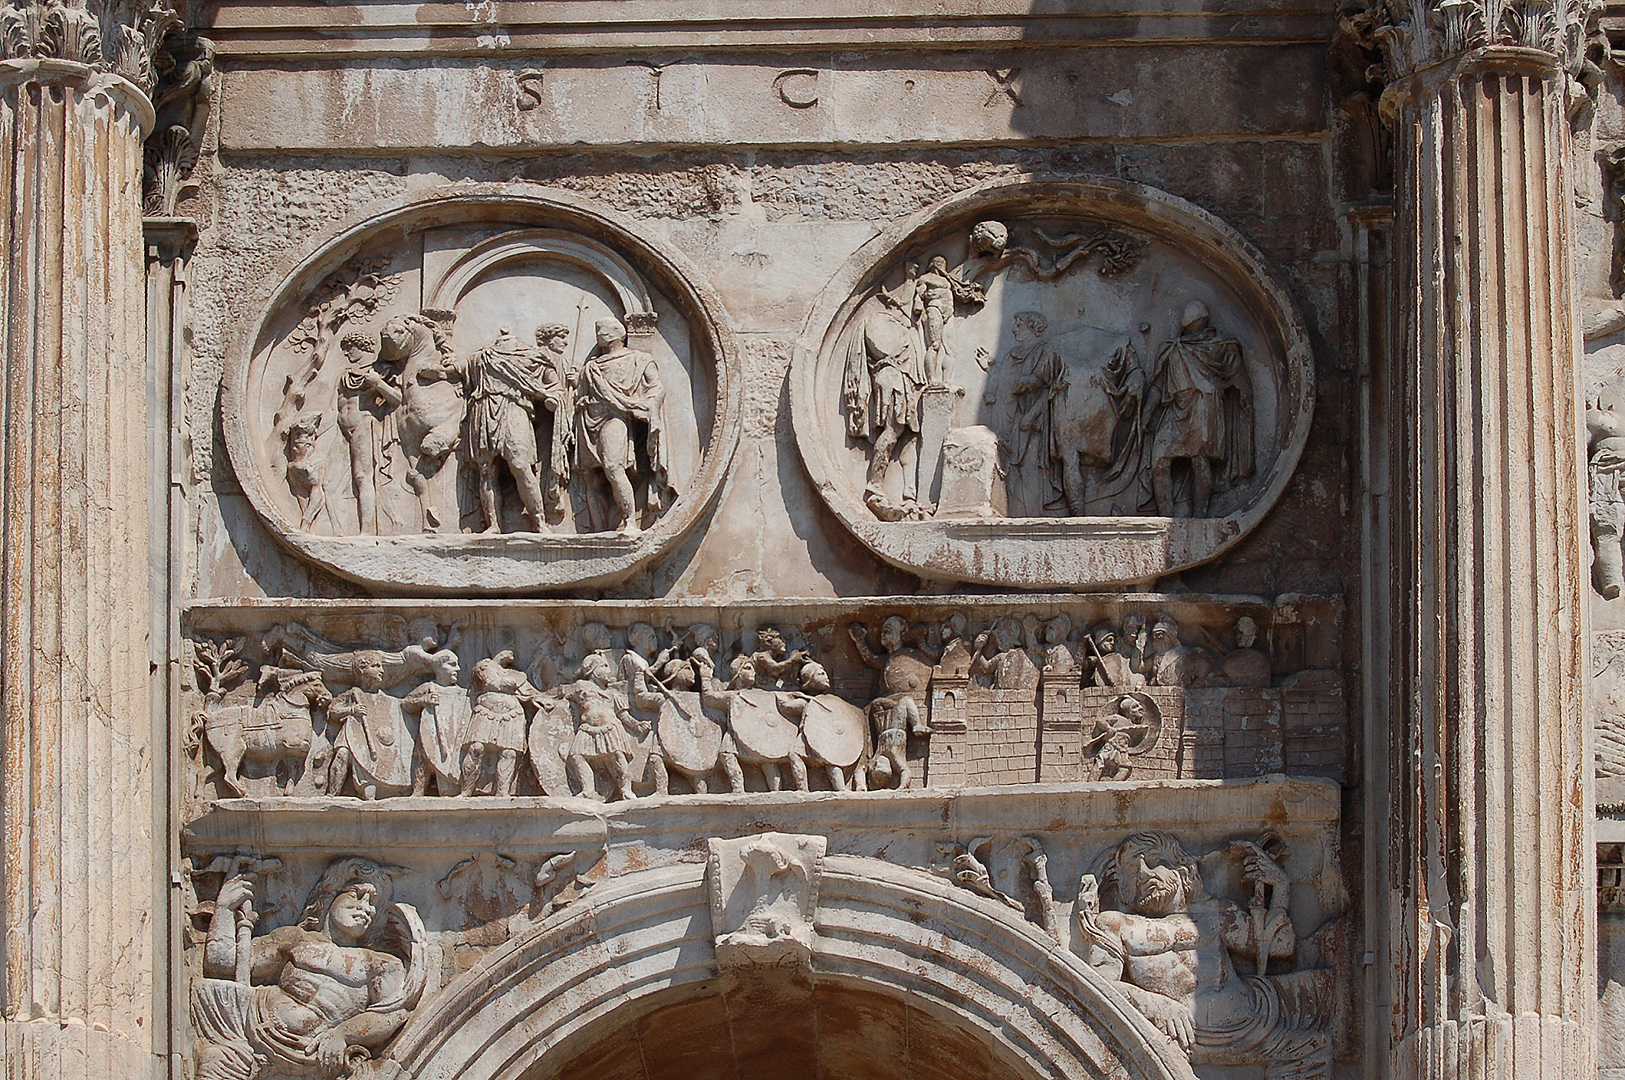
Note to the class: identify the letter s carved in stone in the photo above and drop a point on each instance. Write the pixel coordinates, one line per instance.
(529, 95)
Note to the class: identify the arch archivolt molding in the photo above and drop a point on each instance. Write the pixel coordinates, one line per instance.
(966, 959)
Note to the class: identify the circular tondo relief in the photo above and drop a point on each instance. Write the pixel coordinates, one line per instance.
(484, 389)
(1052, 385)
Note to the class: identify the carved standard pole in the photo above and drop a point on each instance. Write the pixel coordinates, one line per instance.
(82, 899)
(1489, 928)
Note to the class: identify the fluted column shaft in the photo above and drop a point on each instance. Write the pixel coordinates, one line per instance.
(81, 900)
(1490, 929)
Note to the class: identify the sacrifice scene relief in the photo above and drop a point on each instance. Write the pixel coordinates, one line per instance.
(1054, 369)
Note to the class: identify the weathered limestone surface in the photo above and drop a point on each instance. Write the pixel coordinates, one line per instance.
(84, 904)
(1487, 851)
(979, 539)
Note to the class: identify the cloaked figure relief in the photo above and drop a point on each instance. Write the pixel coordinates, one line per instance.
(880, 393)
(315, 999)
(1200, 415)
(1172, 950)
(621, 432)
(506, 381)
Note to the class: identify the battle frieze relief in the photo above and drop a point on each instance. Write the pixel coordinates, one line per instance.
(484, 390)
(623, 701)
(1052, 384)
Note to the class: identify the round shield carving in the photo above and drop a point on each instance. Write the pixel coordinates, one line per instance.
(448, 394)
(1052, 385)
(690, 739)
(834, 729)
(760, 730)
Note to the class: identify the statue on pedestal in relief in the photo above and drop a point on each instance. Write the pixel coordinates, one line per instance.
(315, 999)
(880, 393)
(1172, 950)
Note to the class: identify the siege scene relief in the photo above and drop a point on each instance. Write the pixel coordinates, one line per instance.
(870, 700)
(1048, 367)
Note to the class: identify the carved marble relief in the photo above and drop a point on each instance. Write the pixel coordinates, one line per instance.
(1104, 365)
(381, 706)
(1173, 950)
(316, 998)
(314, 963)
(484, 392)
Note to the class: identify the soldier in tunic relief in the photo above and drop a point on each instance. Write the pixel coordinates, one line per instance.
(505, 381)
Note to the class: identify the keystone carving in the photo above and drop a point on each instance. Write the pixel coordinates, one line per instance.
(764, 894)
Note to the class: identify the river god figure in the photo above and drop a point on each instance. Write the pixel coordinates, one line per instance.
(315, 999)
(1171, 954)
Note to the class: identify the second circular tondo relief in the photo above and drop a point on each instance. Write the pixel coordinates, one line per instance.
(1052, 384)
(489, 389)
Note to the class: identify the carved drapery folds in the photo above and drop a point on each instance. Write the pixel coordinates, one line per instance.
(317, 997)
(524, 392)
(1052, 385)
(659, 702)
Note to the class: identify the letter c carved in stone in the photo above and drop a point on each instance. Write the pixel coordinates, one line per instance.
(797, 88)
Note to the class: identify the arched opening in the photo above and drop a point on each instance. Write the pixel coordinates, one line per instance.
(909, 977)
(724, 1029)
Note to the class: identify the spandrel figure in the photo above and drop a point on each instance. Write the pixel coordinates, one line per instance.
(1172, 952)
(315, 999)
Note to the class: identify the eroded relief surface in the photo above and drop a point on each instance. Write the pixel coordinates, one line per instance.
(413, 404)
(421, 823)
(1031, 357)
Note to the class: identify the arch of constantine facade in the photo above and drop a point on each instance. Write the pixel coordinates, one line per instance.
(986, 539)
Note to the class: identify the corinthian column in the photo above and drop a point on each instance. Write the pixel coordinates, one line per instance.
(1488, 933)
(82, 902)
